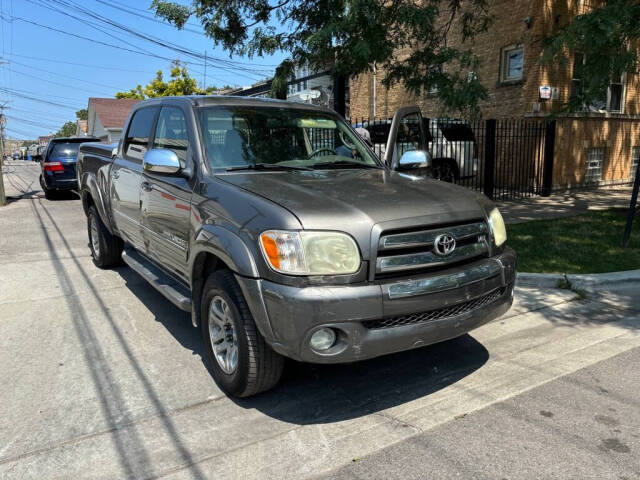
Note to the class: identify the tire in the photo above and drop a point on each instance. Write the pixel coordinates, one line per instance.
(257, 367)
(48, 194)
(106, 249)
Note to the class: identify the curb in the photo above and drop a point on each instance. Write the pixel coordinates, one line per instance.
(582, 281)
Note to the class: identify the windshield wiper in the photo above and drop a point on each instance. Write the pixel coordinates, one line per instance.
(265, 166)
(344, 164)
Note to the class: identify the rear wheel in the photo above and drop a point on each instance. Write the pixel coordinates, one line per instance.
(48, 194)
(106, 249)
(243, 363)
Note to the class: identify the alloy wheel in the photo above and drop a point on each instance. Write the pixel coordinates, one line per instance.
(222, 334)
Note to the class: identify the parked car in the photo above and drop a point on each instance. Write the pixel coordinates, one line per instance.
(283, 235)
(451, 144)
(58, 165)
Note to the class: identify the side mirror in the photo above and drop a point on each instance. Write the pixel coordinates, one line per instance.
(161, 160)
(414, 159)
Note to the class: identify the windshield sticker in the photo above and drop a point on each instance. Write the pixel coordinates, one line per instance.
(316, 123)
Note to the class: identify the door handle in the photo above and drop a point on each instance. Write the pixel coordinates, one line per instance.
(146, 186)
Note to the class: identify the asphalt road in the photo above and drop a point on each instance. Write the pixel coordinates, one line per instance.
(103, 378)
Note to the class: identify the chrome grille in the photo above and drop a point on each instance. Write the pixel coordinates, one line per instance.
(439, 314)
(405, 251)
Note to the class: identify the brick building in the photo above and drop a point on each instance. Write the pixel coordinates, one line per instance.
(597, 147)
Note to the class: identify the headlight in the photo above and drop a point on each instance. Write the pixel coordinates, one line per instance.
(498, 230)
(310, 253)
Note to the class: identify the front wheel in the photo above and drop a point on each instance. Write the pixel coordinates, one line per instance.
(106, 249)
(243, 363)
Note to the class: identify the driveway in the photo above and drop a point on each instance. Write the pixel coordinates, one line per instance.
(103, 378)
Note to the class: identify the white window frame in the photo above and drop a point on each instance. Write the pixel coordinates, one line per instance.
(504, 63)
(622, 82)
(593, 173)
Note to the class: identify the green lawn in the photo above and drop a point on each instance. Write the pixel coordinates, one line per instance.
(586, 243)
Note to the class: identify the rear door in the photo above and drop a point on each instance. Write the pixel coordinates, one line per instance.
(166, 198)
(406, 134)
(126, 176)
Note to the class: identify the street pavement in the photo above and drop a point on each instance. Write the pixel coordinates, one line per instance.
(103, 378)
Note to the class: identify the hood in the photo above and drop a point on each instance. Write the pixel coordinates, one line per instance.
(346, 200)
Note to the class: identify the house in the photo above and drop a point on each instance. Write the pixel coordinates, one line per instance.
(106, 117)
(596, 147)
(81, 128)
(306, 86)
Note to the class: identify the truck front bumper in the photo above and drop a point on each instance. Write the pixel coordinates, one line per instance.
(378, 318)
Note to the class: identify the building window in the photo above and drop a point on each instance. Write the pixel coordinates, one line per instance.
(614, 100)
(615, 93)
(635, 159)
(595, 160)
(512, 63)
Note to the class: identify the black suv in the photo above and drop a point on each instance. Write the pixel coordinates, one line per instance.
(59, 164)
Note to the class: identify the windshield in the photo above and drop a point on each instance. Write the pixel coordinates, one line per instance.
(65, 149)
(286, 137)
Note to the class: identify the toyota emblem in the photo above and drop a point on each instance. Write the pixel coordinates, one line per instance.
(444, 244)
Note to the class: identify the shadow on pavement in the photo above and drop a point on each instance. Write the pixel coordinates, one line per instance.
(310, 394)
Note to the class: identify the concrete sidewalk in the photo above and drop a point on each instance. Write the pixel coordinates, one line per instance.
(564, 205)
(105, 378)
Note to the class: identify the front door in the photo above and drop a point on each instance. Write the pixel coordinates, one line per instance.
(166, 198)
(126, 177)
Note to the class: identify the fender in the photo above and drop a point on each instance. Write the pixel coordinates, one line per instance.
(230, 249)
(227, 246)
(90, 186)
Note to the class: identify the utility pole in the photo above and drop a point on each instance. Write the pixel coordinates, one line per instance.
(204, 84)
(3, 197)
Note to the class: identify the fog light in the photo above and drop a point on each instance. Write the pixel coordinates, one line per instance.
(323, 339)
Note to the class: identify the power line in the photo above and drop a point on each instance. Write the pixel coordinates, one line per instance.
(92, 92)
(64, 76)
(85, 65)
(29, 122)
(20, 19)
(146, 17)
(229, 65)
(36, 99)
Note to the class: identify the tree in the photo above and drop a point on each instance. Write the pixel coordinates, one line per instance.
(606, 40)
(82, 114)
(67, 130)
(406, 39)
(181, 83)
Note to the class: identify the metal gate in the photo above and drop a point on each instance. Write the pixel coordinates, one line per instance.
(502, 158)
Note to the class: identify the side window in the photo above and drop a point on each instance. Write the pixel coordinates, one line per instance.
(171, 133)
(137, 139)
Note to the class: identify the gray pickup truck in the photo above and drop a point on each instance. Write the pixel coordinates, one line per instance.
(283, 234)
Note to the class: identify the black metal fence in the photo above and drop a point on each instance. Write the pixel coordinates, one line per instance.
(501, 158)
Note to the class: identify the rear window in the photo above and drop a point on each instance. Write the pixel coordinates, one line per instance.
(457, 132)
(65, 149)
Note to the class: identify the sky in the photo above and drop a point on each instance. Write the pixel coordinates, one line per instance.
(48, 71)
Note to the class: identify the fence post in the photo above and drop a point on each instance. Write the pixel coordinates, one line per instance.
(339, 94)
(489, 157)
(549, 152)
